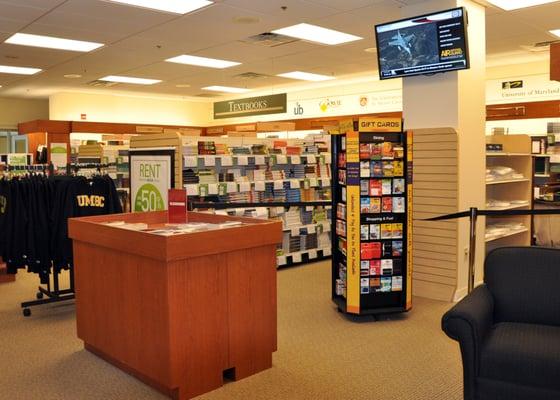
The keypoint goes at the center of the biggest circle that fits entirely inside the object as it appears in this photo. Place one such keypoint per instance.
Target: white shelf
(511, 233)
(325, 226)
(542, 175)
(542, 155)
(312, 254)
(510, 207)
(497, 182)
(502, 154)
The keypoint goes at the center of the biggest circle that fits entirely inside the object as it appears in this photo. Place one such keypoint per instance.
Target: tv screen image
(422, 45)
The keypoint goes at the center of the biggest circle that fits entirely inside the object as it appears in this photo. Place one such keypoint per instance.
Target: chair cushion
(524, 354)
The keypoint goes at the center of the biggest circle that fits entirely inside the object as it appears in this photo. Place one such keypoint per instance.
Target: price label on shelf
(192, 189)
(311, 159)
(313, 182)
(231, 187)
(310, 229)
(294, 184)
(309, 208)
(242, 160)
(212, 188)
(325, 182)
(259, 186)
(295, 159)
(312, 254)
(209, 161)
(280, 210)
(281, 159)
(190, 161)
(259, 160)
(306, 184)
(226, 161)
(278, 185)
(294, 231)
(281, 260)
(296, 258)
(327, 252)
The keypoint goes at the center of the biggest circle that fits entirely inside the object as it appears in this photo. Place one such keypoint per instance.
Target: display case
(372, 239)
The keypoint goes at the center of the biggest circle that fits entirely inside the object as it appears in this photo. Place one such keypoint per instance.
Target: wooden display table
(4, 276)
(178, 312)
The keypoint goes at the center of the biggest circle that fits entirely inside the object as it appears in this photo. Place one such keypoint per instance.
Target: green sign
(274, 104)
(148, 198)
(150, 180)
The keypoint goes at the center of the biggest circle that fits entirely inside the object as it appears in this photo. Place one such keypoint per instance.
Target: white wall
(13, 111)
(128, 109)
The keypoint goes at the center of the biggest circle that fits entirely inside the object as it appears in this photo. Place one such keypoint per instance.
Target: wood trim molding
(535, 109)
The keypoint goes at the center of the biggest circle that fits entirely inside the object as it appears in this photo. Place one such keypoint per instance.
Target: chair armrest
(472, 316)
(468, 322)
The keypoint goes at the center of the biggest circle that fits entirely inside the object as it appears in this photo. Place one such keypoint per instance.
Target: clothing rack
(54, 293)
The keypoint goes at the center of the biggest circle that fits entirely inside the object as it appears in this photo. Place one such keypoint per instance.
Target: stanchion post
(472, 246)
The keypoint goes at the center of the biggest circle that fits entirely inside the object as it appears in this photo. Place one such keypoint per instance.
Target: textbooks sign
(262, 105)
(150, 180)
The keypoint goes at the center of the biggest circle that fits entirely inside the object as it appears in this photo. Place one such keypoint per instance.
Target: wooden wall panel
(163, 140)
(555, 62)
(435, 192)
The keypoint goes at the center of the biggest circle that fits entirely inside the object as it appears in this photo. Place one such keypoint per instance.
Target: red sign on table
(177, 206)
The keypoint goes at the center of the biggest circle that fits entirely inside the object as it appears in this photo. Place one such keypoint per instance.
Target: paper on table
(190, 161)
(226, 161)
(209, 161)
(278, 185)
(242, 160)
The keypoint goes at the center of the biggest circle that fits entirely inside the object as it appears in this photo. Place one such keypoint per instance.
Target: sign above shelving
(262, 105)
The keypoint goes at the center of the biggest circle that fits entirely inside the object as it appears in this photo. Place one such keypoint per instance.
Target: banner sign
(262, 105)
(177, 206)
(368, 124)
(353, 222)
(150, 180)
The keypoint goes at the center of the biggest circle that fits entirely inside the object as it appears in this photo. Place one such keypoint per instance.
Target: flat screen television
(426, 44)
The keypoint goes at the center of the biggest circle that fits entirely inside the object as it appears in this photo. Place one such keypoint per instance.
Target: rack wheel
(39, 295)
(26, 312)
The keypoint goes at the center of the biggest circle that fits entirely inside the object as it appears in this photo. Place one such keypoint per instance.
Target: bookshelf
(248, 170)
(509, 175)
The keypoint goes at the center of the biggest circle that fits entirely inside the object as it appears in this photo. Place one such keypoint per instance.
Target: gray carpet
(321, 353)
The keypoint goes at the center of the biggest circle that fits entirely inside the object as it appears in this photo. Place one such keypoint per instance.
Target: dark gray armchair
(509, 327)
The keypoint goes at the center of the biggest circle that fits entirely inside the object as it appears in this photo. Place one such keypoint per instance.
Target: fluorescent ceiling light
(509, 5)
(172, 6)
(555, 32)
(226, 89)
(202, 61)
(50, 42)
(6, 69)
(306, 76)
(129, 79)
(317, 34)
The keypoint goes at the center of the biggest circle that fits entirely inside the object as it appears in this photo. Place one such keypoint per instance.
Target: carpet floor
(322, 354)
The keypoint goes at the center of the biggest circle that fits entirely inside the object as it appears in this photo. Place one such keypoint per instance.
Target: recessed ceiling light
(50, 42)
(183, 85)
(516, 4)
(317, 34)
(555, 32)
(305, 76)
(202, 61)
(129, 79)
(6, 69)
(72, 76)
(226, 89)
(172, 6)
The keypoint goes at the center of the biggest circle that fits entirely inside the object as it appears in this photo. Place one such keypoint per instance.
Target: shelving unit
(372, 228)
(515, 155)
(261, 170)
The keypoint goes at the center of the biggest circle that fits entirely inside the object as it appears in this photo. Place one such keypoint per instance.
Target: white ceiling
(138, 40)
